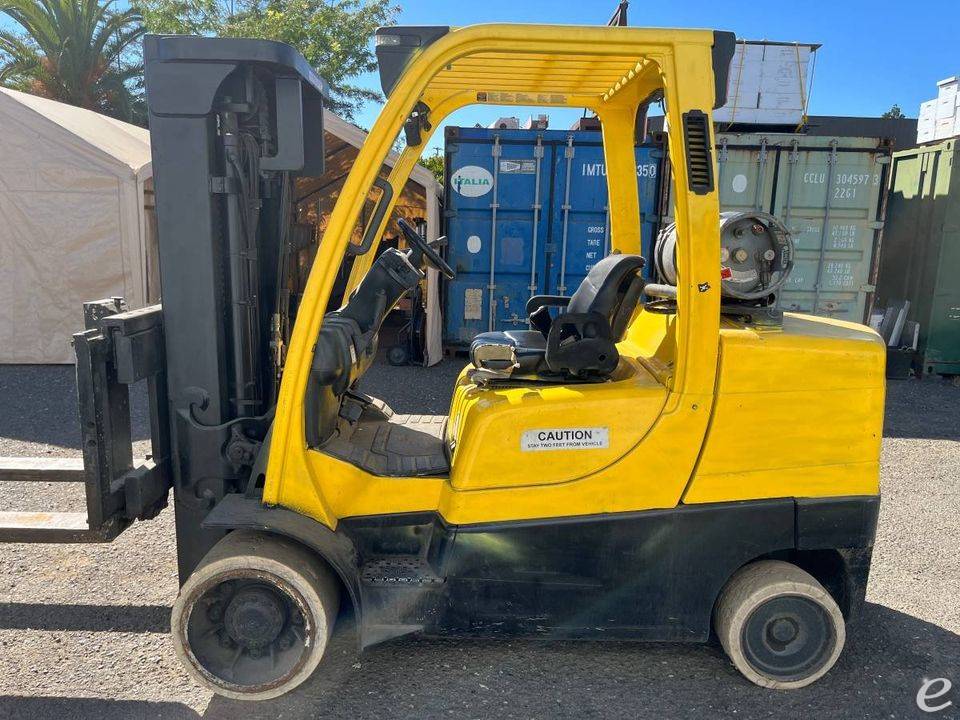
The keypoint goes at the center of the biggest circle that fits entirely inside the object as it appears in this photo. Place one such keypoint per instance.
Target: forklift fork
(118, 348)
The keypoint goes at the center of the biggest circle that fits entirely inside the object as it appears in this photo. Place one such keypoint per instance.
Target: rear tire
(778, 625)
(253, 620)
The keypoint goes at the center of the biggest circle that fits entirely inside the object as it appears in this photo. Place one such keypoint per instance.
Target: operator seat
(579, 344)
(347, 343)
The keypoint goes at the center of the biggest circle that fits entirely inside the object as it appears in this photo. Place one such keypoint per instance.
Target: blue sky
(874, 54)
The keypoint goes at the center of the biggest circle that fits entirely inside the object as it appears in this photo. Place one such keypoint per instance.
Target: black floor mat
(403, 446)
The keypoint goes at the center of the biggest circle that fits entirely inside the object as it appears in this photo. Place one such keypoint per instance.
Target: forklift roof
(547, 59)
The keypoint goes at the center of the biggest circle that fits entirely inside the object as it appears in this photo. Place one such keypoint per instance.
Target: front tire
(778, 625)
(253, 620)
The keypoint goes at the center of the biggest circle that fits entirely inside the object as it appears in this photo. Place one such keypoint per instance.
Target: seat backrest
(612, 288)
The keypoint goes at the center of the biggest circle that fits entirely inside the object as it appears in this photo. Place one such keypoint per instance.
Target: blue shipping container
(538, 200)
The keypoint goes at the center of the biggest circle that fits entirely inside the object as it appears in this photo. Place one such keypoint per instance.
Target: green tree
(333, 35)
(895, 112)
(434, 164)
(81, 52)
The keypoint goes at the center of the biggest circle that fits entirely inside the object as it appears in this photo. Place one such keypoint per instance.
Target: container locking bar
(118, 348)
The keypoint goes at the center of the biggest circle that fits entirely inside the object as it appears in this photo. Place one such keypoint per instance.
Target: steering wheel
(424, 249)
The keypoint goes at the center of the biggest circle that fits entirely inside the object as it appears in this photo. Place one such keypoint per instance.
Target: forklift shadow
(85, 618)
(926, 409)
(888, 654)
(70, 708)
(40, 406)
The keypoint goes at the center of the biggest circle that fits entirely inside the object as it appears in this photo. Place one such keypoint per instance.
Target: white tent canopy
(72, 221)
(76, 222)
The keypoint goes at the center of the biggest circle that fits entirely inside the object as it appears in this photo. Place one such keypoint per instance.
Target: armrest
(539, 301)
(580, 345)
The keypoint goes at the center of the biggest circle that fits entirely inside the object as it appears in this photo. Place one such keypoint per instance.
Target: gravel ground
(83, 628)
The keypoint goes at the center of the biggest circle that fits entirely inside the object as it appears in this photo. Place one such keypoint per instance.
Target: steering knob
(425, 250)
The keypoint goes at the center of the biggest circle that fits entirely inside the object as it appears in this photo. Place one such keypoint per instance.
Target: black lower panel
(649, 575)
(652, 575)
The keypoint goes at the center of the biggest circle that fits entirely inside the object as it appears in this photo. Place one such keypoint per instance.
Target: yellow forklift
(670, 462)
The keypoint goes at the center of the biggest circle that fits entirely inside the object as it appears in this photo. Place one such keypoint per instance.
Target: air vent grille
(696, 135)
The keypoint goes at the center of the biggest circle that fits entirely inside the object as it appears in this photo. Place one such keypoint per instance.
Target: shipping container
(829, 192)
(921, 250)
(526, 214)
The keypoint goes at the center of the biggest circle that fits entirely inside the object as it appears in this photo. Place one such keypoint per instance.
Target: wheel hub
(248, 633)
(255, 617)
(782, 631)
(788, 637)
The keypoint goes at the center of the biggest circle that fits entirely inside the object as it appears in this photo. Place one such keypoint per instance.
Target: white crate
(780, 101)
(947, 105)
(766, 84)
(926, 130)
(944, 128)
(750, 54)
(757, 116)
(928, 110)
(783, 76)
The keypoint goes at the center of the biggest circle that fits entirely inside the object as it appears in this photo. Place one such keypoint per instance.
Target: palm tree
(75, 51)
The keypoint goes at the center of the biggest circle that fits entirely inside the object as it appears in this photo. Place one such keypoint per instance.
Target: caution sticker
(590, 438)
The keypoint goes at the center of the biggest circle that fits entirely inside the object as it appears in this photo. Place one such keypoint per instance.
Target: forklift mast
(231, 122)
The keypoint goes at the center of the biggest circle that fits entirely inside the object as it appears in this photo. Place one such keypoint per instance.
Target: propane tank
(756, 255)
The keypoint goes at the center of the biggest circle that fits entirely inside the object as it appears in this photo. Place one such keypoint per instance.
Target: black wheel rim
(789, 638)
(248, 634)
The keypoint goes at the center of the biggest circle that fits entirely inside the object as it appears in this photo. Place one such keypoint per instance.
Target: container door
(920, 260)
(580, 236)
(828, 198)
(937, 247)
(579, 229)
(942, 340)
(496, 225)
(745, 174)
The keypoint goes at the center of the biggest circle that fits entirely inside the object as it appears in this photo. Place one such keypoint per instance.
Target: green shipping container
(829, 191)
(921, 250)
